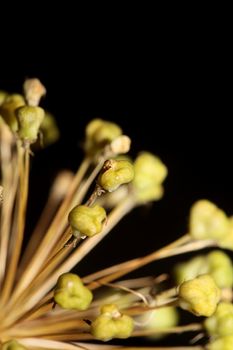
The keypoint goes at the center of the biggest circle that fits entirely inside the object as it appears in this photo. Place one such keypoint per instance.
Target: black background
(171, 95)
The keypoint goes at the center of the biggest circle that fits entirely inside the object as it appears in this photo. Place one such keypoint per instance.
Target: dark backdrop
(174, 103)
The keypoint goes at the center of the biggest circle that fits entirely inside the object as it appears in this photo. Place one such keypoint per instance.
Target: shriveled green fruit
(200, 295)
(115, 173)
(111, 324)
(87, 221)
(70, 293)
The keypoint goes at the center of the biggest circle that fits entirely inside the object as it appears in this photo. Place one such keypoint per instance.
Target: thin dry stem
(131, 265)
(125, 265)
(56, 195)
(23, 154)
(9, 180)
(51, 236)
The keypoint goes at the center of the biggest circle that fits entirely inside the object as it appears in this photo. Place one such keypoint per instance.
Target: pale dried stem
(194, 327)
(44, 328)
(8, 163)
(137, 282)
(51, 236)
(38, 343)
(137, 333)
(128, 290)
(19, 222)
(131, 265)
(112, 269)
(57, 193)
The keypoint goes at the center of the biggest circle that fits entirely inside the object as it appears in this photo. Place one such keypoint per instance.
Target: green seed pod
(224, 343)
(189, 270)
(8, 108)
(99, 133)
(150, 172)
(12, 345)
(115, 173)
(207, 221)
(112, 324)
(227, 241)
(88, 221)
(70, 293)
(3, 96)
(29, 120)
(200, 295)
(217, 264)
(159, 319)
(49, 129)
(220, 268)
(220, 324)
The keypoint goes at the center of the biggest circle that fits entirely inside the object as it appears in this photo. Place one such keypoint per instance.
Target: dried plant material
(45, 306)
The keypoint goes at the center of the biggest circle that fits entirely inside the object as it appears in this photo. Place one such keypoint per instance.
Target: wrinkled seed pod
(150, 172)
(207, 221)
(115, 173)
(224, 343)
(111, 324)
(99, 133)
(200, 295)
(29, 121)
(8, 109)
(70, 293)
(220, 324)
(88, 221)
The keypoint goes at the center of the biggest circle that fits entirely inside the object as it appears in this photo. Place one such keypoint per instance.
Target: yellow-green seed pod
(8, 108)
(115, 173)
(29, 121)
(158, 320)
(49, 129)
(112, 324)
(12, 345)
(150, 173)
(224, 343)
(220, 324)
(217, 264)
(207, 221)
(227, 241)
(99, 133)
(70, 293)
(220, 268)
(88, 221)
(188, 270)
(200, 295)
(3, 96)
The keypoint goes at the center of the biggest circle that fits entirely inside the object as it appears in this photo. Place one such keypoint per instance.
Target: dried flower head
(43, 305)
